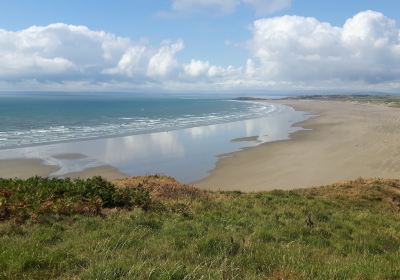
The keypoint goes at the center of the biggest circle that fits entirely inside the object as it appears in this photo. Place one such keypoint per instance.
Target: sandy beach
(345, 141)
(184, 153)
(25, 168)
(106, 171)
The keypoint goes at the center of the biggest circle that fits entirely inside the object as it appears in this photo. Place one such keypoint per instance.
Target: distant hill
(390, 100)
(249, 98)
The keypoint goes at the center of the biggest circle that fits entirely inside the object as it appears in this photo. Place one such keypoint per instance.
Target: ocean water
(177, 136)
(30, 119)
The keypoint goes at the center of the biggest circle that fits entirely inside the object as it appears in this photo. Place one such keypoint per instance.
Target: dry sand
(346, 141)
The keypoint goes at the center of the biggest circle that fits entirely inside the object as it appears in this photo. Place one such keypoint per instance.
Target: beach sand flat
(246, 139)
(106, 171)
(345, 141)
(24, 168)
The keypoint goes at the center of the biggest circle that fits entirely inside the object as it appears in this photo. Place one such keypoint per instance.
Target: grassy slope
(345, 231)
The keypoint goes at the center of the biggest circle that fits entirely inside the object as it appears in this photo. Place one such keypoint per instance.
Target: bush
(21, 199)
(132, 197)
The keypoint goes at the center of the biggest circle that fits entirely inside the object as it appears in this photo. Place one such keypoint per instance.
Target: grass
(349, 230)
(385, 99)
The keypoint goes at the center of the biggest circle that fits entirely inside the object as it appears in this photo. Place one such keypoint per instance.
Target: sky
(199, 45)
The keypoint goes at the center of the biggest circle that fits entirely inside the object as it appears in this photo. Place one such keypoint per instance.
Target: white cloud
(61, 56)
(132, 63)
(198, 71)
(197, 68)
(60, 52)
(288, 52)
(299, 49)
(262, 7)
(57, 50)
(164, 62)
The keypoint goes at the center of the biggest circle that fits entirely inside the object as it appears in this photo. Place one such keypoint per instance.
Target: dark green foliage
(128, 197)
(35, 197)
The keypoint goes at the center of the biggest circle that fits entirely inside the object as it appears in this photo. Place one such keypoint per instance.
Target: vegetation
(388, 100)
(155, 228)
(36, 197)
(373, 98)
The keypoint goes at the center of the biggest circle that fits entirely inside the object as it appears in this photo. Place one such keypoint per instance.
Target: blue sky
(205, 35)
(217, 34)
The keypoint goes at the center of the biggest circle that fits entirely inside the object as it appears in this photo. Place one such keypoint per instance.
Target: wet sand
(107, 172)
(69, 156)
(345, 141)
(186, 154)
(246, 139)
(25, 168)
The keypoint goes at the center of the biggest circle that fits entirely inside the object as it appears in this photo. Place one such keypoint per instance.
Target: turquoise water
(43, 118)
(177, 136)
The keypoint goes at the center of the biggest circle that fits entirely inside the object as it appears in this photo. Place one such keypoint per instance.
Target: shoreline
(343, 142)
(24, 168)
(338, 141)
(186, 154)
(128, 134)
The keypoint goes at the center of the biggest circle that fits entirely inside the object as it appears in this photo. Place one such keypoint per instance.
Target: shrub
(21, 199)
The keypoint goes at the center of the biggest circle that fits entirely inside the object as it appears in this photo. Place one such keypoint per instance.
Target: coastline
(187, 154)
(106, 171)
(343, 142)
(24, 168)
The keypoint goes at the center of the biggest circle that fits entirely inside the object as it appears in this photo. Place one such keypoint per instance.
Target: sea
(178, 135)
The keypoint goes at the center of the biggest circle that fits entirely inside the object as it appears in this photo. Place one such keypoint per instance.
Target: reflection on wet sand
(187, 154)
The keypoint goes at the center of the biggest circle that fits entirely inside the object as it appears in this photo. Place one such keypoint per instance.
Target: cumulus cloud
(299, 49)
(78, 56)
(164, 62)
(141, 62)
(197, 68)
(262, 7)
(66, 52)
(57, 50)
(287, 52)
(198, 71)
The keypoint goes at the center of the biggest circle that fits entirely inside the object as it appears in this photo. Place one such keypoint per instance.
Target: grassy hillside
(155, 228)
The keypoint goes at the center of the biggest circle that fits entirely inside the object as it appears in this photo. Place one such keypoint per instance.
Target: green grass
(385, 99)
(344, 231)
